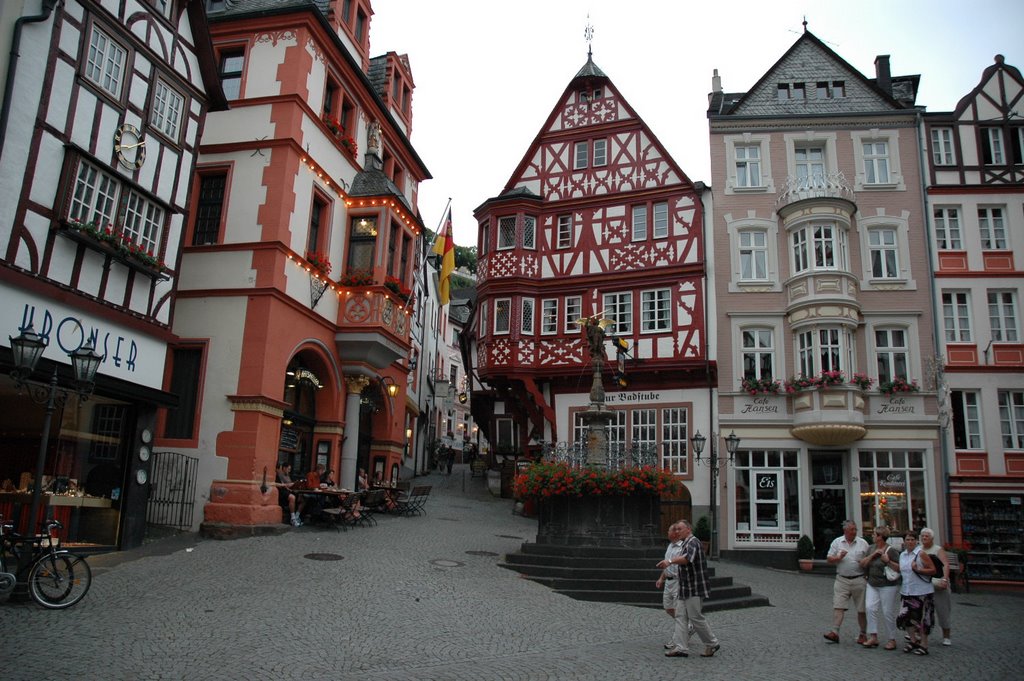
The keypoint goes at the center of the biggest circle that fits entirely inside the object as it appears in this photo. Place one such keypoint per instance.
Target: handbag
(891, 575)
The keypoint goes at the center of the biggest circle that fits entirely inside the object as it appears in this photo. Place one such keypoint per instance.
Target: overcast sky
(488, 73)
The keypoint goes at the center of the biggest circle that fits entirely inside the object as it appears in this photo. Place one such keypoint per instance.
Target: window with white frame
(891, 354)
(618, 307)
(758, 353)
(485, 237)
(956, 316)
(942, 147)
(660, 225)
(579, 160)
(876, 162)
(1011, 418)
(506, 435)
(232, 64)
(600, 152)
(823, 349)
(947, 229)
(502, 315)
(748, 165)
(767, 495)
(992, 150)
(644, 427)
(655, 310)
(639, 222)
(484, 328)
(809, 163)
(573, 313)
(105, 64)
(143, 222)
(103, 200)
(892, 488)
(506, 233)
(819, 247)
(966, 408)
(753, 254)
(675, 440)
(167, 109)
(884, 250)
(1002, 316)
(564, 238)
(549, 316)
(529, 231)
(526, 325)
(992, 228)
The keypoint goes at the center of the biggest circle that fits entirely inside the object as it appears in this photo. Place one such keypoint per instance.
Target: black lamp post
(27, 348)
(713, 461)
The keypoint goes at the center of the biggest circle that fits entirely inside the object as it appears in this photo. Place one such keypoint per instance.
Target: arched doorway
(299, 418)
(676, 506)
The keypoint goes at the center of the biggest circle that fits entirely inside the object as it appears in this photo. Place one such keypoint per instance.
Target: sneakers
(296, 521)
(946, 642)
(675, 652)
(670, 645)
(710, 651)
(832, 637)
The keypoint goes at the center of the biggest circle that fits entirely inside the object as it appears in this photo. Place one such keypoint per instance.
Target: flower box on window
(319, 262)
(862, 381)
(898, 385)
(110, 240)
(346, 141)
(356, 278)
(825, 379)
(761, 386)
(396, 287)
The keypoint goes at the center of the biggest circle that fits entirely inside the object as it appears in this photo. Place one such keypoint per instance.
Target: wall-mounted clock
(129, 146)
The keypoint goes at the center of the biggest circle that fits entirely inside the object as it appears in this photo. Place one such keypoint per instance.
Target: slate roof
(234, 8)
(377, 74)
(371, 181)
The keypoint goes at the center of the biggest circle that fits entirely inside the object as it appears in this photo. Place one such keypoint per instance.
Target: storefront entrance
(828, 499)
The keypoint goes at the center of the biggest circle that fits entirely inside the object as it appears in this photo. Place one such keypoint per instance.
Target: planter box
(631, 521)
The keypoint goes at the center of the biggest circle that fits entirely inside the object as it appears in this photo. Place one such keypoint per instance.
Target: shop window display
(892, 490)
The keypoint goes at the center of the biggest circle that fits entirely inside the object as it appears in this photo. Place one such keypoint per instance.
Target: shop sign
(766, 480)
(633, 397)
(127, 354)
(760, 405)
(897, 405)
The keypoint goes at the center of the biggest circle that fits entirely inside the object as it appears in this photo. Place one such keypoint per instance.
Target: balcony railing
(827, 186)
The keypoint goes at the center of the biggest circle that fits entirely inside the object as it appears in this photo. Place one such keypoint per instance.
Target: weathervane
(588, 33)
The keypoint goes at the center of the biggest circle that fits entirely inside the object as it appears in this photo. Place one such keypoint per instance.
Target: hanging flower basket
(898, 385)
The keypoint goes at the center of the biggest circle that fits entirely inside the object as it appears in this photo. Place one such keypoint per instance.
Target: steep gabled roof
(1013, 99)
(810, 60)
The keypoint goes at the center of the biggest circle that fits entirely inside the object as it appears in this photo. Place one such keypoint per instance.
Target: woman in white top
(940, 582)
(917, 610)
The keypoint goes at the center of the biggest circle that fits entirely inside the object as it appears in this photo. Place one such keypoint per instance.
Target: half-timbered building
(597, 219)
(102, 112)
(825, 328)
(976, 208)
(295, 305)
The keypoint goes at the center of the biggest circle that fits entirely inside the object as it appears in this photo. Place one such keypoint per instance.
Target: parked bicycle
(56, 578)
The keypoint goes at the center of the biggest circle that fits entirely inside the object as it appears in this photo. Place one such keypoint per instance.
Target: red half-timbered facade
(103, 109)
(975, 194)
(597, 219)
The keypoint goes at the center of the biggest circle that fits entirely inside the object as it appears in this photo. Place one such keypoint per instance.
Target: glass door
(828, 499)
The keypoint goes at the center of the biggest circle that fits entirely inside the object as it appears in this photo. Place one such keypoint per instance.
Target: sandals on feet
(910, 647)
(918, 650)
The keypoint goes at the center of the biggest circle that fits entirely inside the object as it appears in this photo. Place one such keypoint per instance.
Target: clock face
(129, 146)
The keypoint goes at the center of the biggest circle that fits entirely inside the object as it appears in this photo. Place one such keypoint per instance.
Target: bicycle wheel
(59, 581)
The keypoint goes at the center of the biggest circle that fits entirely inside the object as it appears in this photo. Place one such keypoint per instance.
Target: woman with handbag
(917, 607)
(881, 567)
(943, 602)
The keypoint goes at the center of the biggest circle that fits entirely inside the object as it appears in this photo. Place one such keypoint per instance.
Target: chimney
(882, 75)
(716, 86)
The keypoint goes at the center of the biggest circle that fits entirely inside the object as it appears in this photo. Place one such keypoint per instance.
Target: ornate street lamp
(732, 444)
(27, 348)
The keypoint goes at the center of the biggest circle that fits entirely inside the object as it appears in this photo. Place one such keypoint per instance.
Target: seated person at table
(362, 482)
(313, 478)
(285, 497)
(328, 478)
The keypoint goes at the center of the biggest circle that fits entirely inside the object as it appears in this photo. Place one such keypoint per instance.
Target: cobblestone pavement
(423, 598)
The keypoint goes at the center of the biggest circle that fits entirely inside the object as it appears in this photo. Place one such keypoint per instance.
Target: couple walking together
(684, 584)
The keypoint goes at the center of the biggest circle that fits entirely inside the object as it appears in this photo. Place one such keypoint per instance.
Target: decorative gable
(811, 80)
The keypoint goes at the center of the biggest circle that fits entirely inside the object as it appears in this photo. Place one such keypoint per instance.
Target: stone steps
(615, 575)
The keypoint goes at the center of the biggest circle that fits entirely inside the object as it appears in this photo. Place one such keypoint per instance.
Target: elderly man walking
(692, 567)
(846, 553)
(668, 582)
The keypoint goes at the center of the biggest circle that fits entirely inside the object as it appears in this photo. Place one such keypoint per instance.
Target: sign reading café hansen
(127, 354)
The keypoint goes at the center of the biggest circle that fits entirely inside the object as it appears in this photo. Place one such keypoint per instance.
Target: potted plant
(805, 553)
(702, 530)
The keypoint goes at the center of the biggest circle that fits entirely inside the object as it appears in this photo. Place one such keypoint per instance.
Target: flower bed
(544, 480)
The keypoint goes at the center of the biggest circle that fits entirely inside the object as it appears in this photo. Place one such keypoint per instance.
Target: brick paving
(414, 599)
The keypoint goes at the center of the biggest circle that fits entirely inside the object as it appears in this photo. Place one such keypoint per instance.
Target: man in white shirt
(668, 582)
(845, 553)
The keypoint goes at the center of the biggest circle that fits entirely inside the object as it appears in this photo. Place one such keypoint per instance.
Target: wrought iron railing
(620, 455)
(816, 186)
